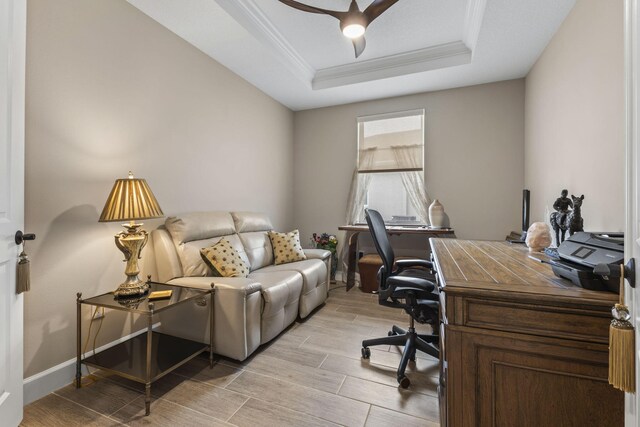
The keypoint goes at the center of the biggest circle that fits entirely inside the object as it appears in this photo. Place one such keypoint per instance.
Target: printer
(579, 254)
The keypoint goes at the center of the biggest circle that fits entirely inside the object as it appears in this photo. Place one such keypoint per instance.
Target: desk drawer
(542, 320)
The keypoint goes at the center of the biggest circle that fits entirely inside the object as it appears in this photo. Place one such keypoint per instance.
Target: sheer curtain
(409, 158)
(357, 199)
(387, 143)
(359, 187)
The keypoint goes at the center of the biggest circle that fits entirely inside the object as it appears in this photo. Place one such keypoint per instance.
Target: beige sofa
(248, 311)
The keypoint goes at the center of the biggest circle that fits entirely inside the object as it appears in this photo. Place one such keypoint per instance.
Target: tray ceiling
(304, 61)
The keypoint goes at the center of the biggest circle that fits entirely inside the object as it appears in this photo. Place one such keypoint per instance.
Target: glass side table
(151, 355)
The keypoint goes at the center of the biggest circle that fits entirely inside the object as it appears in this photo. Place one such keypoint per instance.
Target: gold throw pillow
(286, 247)
(224, 260)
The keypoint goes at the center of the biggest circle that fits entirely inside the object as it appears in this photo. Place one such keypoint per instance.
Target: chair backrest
(381, 240)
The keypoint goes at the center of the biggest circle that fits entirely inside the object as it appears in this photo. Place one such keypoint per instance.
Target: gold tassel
(622, 368)
(23, 281)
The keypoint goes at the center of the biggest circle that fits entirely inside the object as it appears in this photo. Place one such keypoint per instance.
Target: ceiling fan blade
(359, 44)
(377, 8)
(353, 7)
(312, 9)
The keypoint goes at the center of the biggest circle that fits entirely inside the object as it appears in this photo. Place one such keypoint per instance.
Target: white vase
(436, 214)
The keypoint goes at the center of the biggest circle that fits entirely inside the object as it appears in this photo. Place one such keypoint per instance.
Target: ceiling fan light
(353, 31)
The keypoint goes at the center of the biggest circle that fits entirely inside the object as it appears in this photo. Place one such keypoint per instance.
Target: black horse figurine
(576, 223)
(569, 220)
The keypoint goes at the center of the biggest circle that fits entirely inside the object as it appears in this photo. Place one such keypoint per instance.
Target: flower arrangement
(324, 241)
(328, 242)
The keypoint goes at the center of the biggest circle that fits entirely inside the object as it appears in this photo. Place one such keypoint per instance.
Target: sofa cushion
(191, 260)
(257, 246)
(313, 271)
(315, 283)
(280, 299)
(199, 226)
(246, 222)
(224, 260)
(286, 247)
(279, 288)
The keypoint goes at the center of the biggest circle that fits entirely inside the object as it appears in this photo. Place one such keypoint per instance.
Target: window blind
(382, 138)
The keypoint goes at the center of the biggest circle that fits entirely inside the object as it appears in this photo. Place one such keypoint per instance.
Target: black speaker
(526, 208)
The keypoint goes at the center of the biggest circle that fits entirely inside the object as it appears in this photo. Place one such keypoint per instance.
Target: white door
(632, 236)
(12, 75)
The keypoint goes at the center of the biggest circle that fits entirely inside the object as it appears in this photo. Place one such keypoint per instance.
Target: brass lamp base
(131, 243)
(131, 289)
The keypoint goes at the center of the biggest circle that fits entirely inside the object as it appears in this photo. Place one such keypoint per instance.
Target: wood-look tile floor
(311, 375)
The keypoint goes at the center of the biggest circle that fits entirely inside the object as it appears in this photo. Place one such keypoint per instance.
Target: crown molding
(417, 61)
(473, 22)
(250, 16)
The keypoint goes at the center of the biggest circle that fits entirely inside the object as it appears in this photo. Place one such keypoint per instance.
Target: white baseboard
(41, 384)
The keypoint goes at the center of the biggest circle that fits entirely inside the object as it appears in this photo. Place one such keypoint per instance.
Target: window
(387, 195)
(390, 166)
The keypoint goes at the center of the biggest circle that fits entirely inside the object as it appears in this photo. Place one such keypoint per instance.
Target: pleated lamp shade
(130, 199)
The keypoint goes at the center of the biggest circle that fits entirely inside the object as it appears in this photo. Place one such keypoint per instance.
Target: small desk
(147, 357)
(518, 345)
(355, 230)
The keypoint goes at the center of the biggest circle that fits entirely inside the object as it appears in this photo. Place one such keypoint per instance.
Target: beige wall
(110, 90)
(474, 161)
(574, 114)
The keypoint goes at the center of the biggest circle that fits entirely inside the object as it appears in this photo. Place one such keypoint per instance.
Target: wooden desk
(355, 230)
(520, 346)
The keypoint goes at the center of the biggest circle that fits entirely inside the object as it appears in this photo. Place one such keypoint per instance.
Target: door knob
(613, 271)
(21, 237)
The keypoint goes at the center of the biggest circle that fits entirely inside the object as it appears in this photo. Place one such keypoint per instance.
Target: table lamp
(131, 199)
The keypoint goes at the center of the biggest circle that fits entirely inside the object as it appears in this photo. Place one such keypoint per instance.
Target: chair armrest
(316, 254)
(409, 263)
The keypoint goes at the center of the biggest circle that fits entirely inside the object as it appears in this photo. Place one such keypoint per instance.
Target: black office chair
(404, 284)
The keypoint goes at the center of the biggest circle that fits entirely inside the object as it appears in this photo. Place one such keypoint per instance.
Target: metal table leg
(211, 319)
(78, 340)
(147, 387)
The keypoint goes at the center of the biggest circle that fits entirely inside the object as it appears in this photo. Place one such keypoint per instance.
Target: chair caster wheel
(366, 353)
(404, 382)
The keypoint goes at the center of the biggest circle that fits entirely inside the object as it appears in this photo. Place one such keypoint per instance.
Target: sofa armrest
(240, 285)
(325, 256)
(237, 309)
(317, 253)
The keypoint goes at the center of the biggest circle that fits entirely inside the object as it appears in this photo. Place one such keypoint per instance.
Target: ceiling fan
(353, 22)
